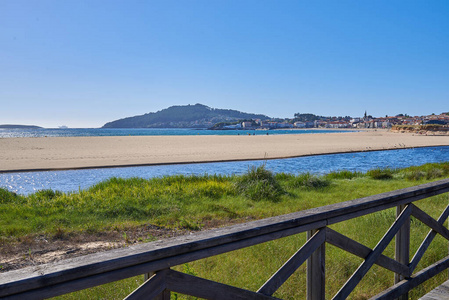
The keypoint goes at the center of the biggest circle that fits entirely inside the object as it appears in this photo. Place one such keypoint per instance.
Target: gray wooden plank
(406, 285)
(431, 222)
(151, 288)
(439, 293)
(294, 262)
(206, 289)
(349, 286)
(402, 245)
(426, 242)
(165, 294)
(316, 271)
(343, 242)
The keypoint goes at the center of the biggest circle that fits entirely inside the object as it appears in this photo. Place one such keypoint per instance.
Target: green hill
(187, 116)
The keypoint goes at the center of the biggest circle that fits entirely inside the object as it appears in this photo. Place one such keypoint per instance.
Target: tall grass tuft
(427, 171)
(47, 194)
(381, 174)
(309, 181)
(8, 197)
(343, 174)
(259, 184)
(415, 175)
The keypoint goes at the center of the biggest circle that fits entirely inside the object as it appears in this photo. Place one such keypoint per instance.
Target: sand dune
(51, 153)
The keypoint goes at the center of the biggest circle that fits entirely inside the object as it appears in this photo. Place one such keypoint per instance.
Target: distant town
(313, 121)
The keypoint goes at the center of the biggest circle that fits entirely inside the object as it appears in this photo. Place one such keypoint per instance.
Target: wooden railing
(157, 258)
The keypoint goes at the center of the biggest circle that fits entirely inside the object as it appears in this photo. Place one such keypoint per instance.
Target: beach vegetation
(191, 203)
(9, 197)
(381, 173)
(259, 183)
(415, 175)
(426, 171)
(309, 181)
(343, 174)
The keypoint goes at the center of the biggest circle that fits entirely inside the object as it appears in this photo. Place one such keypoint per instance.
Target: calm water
(66, 181)
(48, 132)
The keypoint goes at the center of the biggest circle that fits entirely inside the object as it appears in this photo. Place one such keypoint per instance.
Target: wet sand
(57, 153)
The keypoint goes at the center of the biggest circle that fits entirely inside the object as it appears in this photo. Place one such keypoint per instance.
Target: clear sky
(82, 63)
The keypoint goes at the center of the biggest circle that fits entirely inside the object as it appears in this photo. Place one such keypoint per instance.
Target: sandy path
(50, 153)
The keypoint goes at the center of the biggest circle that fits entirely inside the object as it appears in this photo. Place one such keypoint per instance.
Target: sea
(75, 180)
(58, 132)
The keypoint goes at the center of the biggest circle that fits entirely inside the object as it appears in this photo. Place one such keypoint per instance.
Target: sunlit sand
(52, 153)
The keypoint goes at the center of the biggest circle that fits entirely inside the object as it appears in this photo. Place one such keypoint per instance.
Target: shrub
(415, 175)
(343, 174)
(259, 184)
(308, 180)
(434, 173)
(283, 176)
(7, 196)
(47, 194)
(380, 174)
(445, 168)
(427, 171)
(316, 182)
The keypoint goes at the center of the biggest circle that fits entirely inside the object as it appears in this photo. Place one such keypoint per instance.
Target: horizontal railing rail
(158, 257)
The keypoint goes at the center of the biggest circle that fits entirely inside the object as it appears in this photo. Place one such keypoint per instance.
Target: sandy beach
(55, 153)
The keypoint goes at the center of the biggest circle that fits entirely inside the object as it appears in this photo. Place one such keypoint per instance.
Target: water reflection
(73, 180)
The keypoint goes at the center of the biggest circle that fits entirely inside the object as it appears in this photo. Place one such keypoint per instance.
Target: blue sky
(83, 63)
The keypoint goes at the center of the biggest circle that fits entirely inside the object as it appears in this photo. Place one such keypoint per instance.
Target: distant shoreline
(63, 153)
(11, 126)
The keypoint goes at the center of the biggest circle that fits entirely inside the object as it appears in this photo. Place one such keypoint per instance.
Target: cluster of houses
(388, 122)
(347, 122)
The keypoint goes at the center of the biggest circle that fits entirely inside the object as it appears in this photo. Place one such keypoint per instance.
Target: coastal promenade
(57, 153)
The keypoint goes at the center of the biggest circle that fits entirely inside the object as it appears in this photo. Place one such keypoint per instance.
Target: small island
(13, 126)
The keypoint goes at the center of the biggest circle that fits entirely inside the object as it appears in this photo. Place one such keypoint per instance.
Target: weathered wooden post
(316, 276)
(402, 251)
(165, 295)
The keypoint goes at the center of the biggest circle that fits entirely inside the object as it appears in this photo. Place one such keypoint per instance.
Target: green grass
(381, 174)
(193, 202)
(259, 184)
(343, 174)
